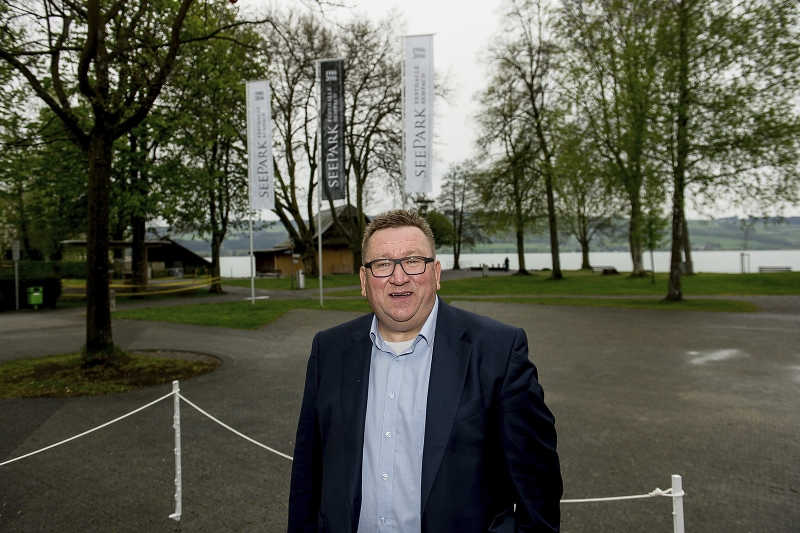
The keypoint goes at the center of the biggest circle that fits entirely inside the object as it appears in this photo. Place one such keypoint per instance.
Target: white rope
(658, 492)
(236, 432)
(90, 431)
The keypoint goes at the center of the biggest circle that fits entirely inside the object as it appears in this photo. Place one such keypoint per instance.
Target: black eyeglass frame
(396, 262)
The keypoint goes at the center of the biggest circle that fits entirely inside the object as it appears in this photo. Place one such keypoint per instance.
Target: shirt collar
(427, 332)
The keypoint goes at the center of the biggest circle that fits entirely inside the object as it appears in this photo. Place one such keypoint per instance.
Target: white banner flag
(259, 146)
(419, 113)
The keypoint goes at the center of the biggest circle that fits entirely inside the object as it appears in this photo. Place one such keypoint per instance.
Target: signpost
(261, 176)
(330, 76)
(15, 258)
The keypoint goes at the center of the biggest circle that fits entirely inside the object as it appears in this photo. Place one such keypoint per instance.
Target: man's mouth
(404, 294)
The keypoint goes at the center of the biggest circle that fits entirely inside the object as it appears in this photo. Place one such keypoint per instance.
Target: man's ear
(362, 273)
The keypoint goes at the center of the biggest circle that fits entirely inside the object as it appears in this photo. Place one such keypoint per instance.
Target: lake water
(718, 261)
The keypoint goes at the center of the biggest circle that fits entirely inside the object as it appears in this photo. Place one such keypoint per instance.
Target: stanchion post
(176, 424)
(677, 504)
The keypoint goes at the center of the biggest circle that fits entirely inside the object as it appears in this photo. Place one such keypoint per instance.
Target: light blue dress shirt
(394, 432)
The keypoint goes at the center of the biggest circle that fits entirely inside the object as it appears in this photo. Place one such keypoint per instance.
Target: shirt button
(391, 395)
(397, 359)
(383, 520)
(388, 433)
(385, 477)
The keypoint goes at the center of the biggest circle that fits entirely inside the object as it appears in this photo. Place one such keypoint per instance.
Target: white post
(252, 265)
(176, 423)
(677, 504)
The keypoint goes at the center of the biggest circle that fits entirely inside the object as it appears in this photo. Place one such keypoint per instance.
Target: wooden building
(336, 255)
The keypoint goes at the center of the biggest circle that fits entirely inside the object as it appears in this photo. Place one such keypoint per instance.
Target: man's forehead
(406, 239)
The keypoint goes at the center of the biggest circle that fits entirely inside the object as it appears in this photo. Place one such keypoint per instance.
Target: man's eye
(413, 261)
(382, 264)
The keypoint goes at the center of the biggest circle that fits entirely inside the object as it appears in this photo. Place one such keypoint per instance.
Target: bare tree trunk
(687, 246)
(585, 254)
(552, 223)
(216, 244)
(635, 237)
(675, 292)
(99, 343)
(521, 252)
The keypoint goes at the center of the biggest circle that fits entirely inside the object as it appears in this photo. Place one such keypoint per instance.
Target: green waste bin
(35, 296)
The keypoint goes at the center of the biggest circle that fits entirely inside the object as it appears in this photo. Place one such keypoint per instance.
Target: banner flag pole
(417, 114)
(260, 170)
(330, 131)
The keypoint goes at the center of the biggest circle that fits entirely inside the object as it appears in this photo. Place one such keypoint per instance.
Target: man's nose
(399, 276)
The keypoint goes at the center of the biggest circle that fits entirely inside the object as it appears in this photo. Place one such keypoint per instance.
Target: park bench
(269, 274)
(605, 270)
(774, 269)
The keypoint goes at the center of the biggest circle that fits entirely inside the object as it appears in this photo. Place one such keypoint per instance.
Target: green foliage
(442, 227)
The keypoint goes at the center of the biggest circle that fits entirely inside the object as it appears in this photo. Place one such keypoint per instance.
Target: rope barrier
(676, 492)
(90, 431)
(657, 492)
(236, 432)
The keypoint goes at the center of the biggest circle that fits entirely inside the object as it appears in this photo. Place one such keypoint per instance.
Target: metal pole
(319, 242)
(252, 265)
(677, 504)
(176, 424)
(403, 123)
(319, 191)
(16, 282)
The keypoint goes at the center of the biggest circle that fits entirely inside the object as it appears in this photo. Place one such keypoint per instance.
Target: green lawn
(580, 283)
(717, 306)
(285, 283)
(237, 315)
(577, 283)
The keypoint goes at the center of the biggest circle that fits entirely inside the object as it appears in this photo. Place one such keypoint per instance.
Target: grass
(237, 315)
(59, 376)
(716, 306)
(578, 283)
(285, 283)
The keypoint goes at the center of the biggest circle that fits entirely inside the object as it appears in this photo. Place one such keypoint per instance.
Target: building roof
(330, 235)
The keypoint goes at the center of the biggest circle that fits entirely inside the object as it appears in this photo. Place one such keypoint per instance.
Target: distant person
(421, 417)
(506, 264)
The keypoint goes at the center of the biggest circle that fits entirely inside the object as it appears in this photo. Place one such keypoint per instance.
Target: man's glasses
(413, 266)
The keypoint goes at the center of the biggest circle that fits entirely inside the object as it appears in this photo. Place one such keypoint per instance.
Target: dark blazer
(490, 441)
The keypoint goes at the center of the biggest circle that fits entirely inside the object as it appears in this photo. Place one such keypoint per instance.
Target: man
(421, 417)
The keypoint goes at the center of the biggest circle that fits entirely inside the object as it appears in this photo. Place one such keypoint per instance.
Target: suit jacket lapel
(448, 372)
(354, 387)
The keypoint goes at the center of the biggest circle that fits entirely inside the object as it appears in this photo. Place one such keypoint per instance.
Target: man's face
(401, 302)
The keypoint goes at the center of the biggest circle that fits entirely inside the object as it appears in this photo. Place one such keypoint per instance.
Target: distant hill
(719, 234)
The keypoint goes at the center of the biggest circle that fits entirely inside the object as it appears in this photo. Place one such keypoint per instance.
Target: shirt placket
(388, 439)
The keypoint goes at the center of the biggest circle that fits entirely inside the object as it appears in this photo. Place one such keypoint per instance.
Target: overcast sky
(463, 30)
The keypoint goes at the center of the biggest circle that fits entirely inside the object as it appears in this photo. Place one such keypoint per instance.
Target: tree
(613, 66)
(208, 188)
(373, 126)
(301, 39)
(729, 106)
(115, 58)
(459, 200)
(529, 53)
(510, 188)
(587, 206)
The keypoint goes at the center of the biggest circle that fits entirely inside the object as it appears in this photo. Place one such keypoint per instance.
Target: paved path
(638, 395)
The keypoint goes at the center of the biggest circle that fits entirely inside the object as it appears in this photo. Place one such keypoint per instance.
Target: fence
(676, 492)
